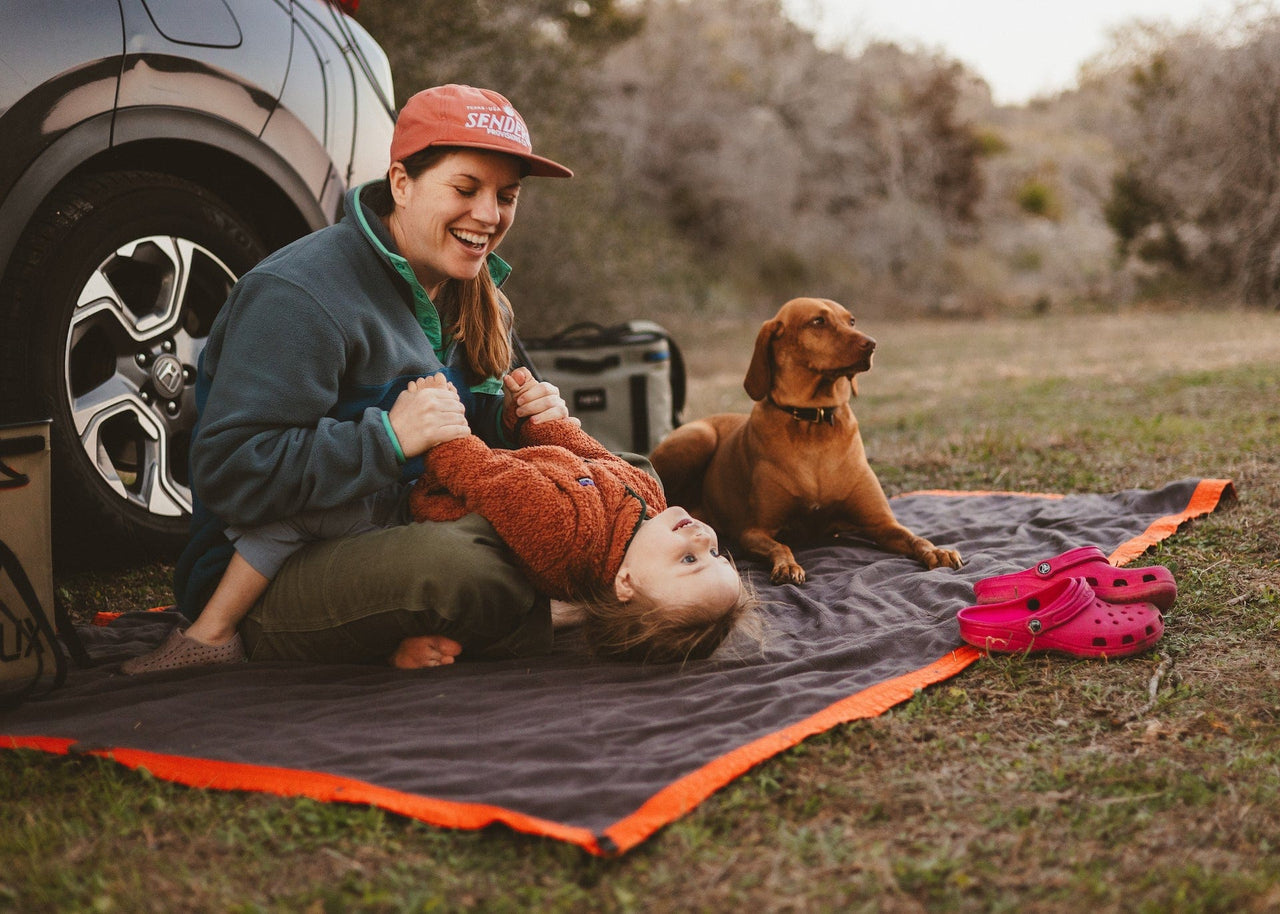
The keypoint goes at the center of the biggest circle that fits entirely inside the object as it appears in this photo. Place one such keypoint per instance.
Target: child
(592, 530)
(588, 528)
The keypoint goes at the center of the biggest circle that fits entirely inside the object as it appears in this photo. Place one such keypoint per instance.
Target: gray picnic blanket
(598, 753)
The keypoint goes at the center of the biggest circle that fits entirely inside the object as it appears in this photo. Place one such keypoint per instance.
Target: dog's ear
(760, 372)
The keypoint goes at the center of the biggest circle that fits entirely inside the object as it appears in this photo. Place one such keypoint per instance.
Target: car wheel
(116, 284)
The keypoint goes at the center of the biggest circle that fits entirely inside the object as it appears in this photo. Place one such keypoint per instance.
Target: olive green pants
(352, 600)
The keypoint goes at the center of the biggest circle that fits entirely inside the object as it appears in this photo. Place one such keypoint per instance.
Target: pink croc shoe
(1151, 584)
(1065, 616)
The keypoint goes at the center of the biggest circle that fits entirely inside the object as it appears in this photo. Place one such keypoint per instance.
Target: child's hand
(529, 398)
(428, 413)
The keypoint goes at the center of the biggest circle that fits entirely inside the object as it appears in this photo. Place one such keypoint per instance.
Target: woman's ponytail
(483, 326)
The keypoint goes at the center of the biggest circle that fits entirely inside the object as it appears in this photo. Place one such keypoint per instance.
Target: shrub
(1037, 197)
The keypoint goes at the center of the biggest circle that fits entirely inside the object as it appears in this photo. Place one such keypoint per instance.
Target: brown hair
(480, 313)
(482, 324)
(653, 634)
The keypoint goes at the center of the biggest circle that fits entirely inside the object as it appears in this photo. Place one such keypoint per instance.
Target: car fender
(89, 144)
(287, 142)
(69, 151)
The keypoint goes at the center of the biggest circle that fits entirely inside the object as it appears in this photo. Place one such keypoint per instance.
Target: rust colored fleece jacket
(565, 505)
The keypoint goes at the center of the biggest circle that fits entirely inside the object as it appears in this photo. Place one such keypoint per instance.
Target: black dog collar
(818, 414)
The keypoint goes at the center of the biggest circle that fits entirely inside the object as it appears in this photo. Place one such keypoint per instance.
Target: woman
(304, 400)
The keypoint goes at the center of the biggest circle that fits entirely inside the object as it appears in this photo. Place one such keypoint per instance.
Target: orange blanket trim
(664, 807)
(678, 798)
(682, 796)
(327, 788)
(1208, 495)
(105, 617)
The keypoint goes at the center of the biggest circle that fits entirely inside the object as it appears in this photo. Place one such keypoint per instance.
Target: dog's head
(810, 339)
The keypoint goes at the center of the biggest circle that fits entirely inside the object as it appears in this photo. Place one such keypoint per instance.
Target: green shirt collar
(423, 308)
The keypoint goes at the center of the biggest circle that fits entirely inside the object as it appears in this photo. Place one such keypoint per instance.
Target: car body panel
(240, 82)
(234, 126)
(33, 61)
(204, 23)
(290, 84)
(340, 46)
(48, 86)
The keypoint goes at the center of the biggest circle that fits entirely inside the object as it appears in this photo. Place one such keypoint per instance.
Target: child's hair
(637, 630)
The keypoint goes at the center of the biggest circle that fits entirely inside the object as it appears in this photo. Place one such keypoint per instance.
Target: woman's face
(448, 219)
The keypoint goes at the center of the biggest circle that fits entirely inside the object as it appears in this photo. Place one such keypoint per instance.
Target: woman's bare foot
(424, 651)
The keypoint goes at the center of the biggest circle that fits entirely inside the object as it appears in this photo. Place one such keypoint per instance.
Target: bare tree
(786, 162)
(1199, 191)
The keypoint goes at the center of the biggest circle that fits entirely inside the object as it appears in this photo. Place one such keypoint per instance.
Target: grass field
(1150, 784)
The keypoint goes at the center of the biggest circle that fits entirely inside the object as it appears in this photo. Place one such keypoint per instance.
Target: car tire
(113, 290)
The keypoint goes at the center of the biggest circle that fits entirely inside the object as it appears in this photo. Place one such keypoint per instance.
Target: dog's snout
(862, 343)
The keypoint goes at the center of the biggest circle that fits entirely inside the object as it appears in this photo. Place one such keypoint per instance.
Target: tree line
(726, 161)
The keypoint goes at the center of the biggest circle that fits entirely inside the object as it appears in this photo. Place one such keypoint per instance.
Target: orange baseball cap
(456, 115)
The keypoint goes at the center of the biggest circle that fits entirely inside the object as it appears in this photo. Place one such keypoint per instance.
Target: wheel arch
(256, 181)
(124, 464)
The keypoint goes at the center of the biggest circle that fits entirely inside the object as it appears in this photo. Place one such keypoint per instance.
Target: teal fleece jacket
(313, 345)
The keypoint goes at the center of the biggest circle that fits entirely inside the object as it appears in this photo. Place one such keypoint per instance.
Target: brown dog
(796, 464)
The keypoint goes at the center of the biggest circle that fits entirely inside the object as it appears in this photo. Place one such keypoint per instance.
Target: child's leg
(260, 551)
(212, 638)
(239, 589)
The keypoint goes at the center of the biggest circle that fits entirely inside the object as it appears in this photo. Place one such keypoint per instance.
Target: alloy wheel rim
(132, 349)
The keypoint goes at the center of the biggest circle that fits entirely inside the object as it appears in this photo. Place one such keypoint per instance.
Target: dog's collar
(817, 414)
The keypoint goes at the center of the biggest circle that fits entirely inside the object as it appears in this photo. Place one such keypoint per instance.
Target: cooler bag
(31, 658)
(625, 382)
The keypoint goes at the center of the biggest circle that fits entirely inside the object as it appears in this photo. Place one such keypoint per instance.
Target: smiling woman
(313, 420)
(447, 209)
(466, 202)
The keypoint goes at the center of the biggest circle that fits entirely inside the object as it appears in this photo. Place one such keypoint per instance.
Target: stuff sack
(31, 657)
(625, 382)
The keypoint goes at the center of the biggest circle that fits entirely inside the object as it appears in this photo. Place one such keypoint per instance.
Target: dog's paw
(787, 573)
(941, 558)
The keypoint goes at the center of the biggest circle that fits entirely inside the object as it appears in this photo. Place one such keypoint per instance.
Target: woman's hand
(531, 399)
(427, 413)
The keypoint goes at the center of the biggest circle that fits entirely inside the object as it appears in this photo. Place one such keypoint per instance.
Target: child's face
(674, 562)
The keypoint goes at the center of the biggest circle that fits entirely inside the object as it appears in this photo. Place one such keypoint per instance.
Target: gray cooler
(625, 382)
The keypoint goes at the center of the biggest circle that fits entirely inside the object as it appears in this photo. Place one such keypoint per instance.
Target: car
(153, 151)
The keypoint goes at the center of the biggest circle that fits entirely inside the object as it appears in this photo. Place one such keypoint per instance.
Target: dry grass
(1023, 784)
(923, 365)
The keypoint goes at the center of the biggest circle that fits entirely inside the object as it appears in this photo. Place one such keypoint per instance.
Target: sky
(1022, 48)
